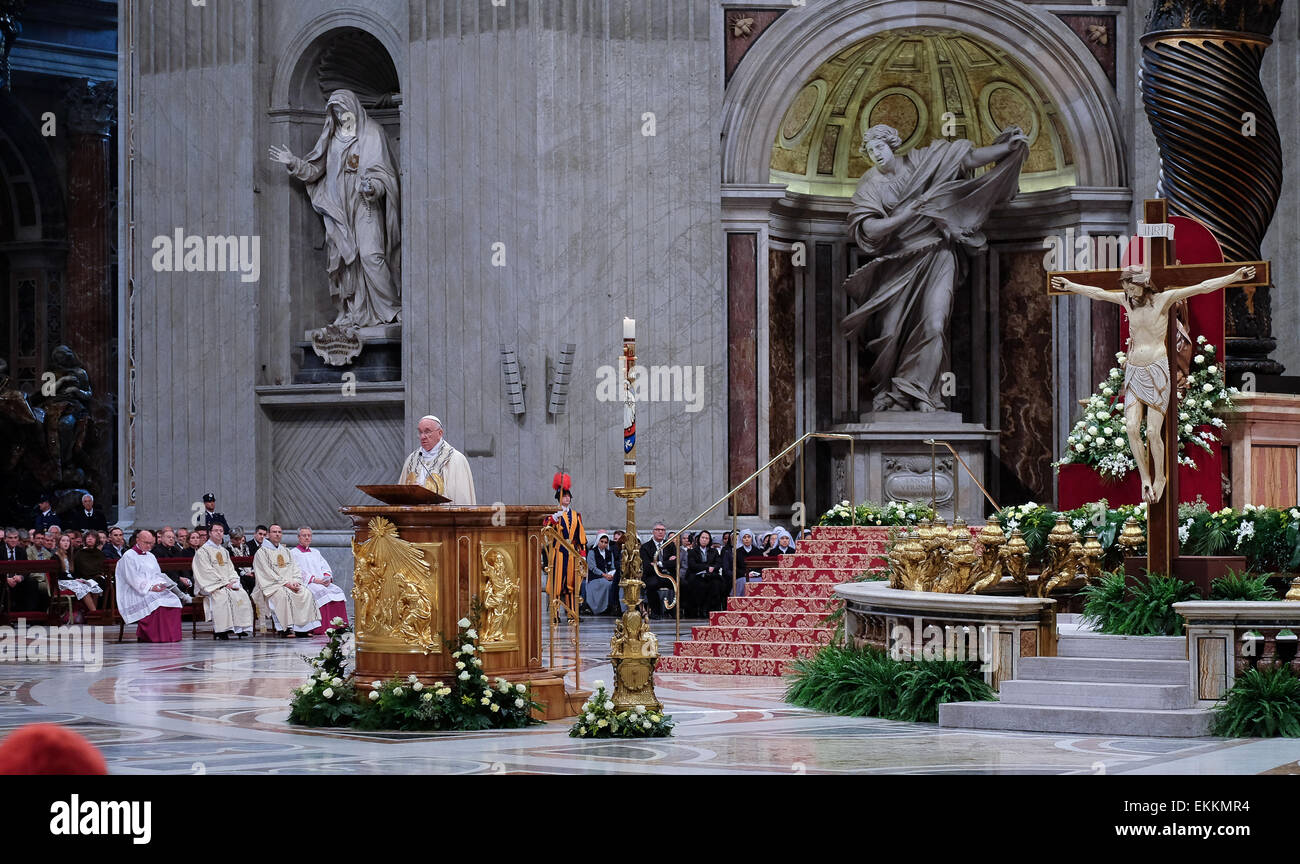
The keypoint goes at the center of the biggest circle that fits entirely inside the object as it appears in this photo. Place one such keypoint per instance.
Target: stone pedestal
(1264, 440)
(380, 358)
(892, 462)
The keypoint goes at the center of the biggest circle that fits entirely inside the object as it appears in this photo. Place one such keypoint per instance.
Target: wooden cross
(1162, 516)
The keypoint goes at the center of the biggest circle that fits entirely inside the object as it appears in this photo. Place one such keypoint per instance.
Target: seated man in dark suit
(88, 515)
(28, 592)
(115, 548)
(666, 554)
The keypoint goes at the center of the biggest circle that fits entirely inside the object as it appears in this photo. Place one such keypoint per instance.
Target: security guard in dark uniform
(210, 514)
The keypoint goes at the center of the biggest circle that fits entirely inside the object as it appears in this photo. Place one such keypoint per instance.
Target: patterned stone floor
(219, 707)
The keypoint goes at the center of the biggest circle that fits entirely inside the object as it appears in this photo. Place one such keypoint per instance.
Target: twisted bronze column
(1220, 153)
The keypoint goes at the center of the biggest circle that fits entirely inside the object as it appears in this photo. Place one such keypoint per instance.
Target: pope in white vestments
(277, 577)
(144, 594)
(437, 466)
(226, 604)
(316, 573)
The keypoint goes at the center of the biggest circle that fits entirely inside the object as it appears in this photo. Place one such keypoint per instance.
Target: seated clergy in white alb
(227, 605)
(437, 466)
(316, 573)
(293, 606)
(144, 594)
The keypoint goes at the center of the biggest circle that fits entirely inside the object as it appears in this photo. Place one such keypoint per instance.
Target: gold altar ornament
(396, 593)
(500, 596)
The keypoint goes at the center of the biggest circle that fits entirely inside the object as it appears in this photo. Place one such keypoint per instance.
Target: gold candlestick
(633, 650)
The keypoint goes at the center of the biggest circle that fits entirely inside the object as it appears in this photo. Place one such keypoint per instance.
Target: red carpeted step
(732, 618)
(835, 576)
(832, 561)
(720, 666)
(761, 650)
(779, 604)
(790, 589)
(774, 635)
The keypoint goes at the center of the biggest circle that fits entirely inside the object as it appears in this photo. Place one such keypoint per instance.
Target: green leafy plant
(600, 719)
(329, 697)
(1263, 703)
(867, 682)
(929, 684)
(1140, 608)
(1242, 586)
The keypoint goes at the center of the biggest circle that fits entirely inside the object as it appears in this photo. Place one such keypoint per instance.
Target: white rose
(376, 684)
(427, 697)
(478, 662)
(417, 686)
(374, 695)
(464, 676)
(462, 623)
(460, 665)
(495, 707)
(1207, 388)
(600, 685)
(412, 678)
(1199, 358)
(1108, 391)
(602, 723)
(468, 649)
(328, 693)
(1079, 447)
(305, 689)
(1092, 430)
(1212, 369)
(1209, 404)
(485, 701)
(519, 703)
(1119, 442)
(337, 682)
(473, 634)
(609, 705)
(326, 653)
(645, 724)
(397, 691)
(640, 709)
(519, 688)
(337, 621)
(1188, 428)
(591, 718)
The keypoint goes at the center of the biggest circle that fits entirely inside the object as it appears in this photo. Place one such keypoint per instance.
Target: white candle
(629, 329)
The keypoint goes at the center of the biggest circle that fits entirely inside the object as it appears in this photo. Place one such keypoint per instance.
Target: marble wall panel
(782, 345)
(1026, 381)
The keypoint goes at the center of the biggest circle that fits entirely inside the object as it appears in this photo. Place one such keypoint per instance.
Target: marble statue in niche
(913, 214)
(353, 185)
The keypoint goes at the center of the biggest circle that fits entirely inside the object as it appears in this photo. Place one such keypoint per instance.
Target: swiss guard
(562, 583)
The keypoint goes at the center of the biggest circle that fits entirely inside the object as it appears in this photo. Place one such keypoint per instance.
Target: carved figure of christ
(1147, 379)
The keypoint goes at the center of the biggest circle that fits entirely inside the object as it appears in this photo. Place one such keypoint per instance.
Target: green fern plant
(1151, 612)
(1263, 703)
(929, 684)
(1242, 586)
(1104, 603)
(857, 682)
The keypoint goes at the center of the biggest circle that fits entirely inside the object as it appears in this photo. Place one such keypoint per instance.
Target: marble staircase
(783, 617)
(1096, 685)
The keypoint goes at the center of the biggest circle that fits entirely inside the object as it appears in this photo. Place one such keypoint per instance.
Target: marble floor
(202, 706)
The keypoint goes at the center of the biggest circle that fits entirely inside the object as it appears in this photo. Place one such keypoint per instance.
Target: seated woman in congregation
(744, 576)
(600, 588)
(83, 589)
(702, 587)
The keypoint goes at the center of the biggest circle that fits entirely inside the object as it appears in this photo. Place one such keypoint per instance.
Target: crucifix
(1148, 296)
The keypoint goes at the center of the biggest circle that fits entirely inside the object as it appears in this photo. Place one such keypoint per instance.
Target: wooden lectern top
(400, 495)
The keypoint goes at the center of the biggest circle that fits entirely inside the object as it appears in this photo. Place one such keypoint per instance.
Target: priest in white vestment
(437, 466)
(293, 606)
(144, 594)
(316, 573)
(225, 602)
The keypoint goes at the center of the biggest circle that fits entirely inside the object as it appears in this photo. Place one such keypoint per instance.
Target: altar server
(144, 594)
(316, 573)
(293, 606)
(226, 604)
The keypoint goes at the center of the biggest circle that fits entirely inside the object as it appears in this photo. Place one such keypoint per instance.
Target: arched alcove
(344, 57)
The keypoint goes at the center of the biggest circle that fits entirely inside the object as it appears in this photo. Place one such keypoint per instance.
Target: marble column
(88, 325)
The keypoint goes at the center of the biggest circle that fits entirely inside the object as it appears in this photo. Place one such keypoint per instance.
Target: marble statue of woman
(911, 215)
(353, 185)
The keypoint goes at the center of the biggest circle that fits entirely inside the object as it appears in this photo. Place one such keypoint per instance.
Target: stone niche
(891, 462)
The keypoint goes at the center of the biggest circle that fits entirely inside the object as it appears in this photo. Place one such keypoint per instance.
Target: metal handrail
(824, 436)
(552, 536)
(933, 504)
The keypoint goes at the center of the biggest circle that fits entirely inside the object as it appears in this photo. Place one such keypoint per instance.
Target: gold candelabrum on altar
(934, 557)
(634, 649)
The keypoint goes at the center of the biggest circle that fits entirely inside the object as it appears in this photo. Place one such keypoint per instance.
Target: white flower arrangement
(1106, 448)
(601, 719)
